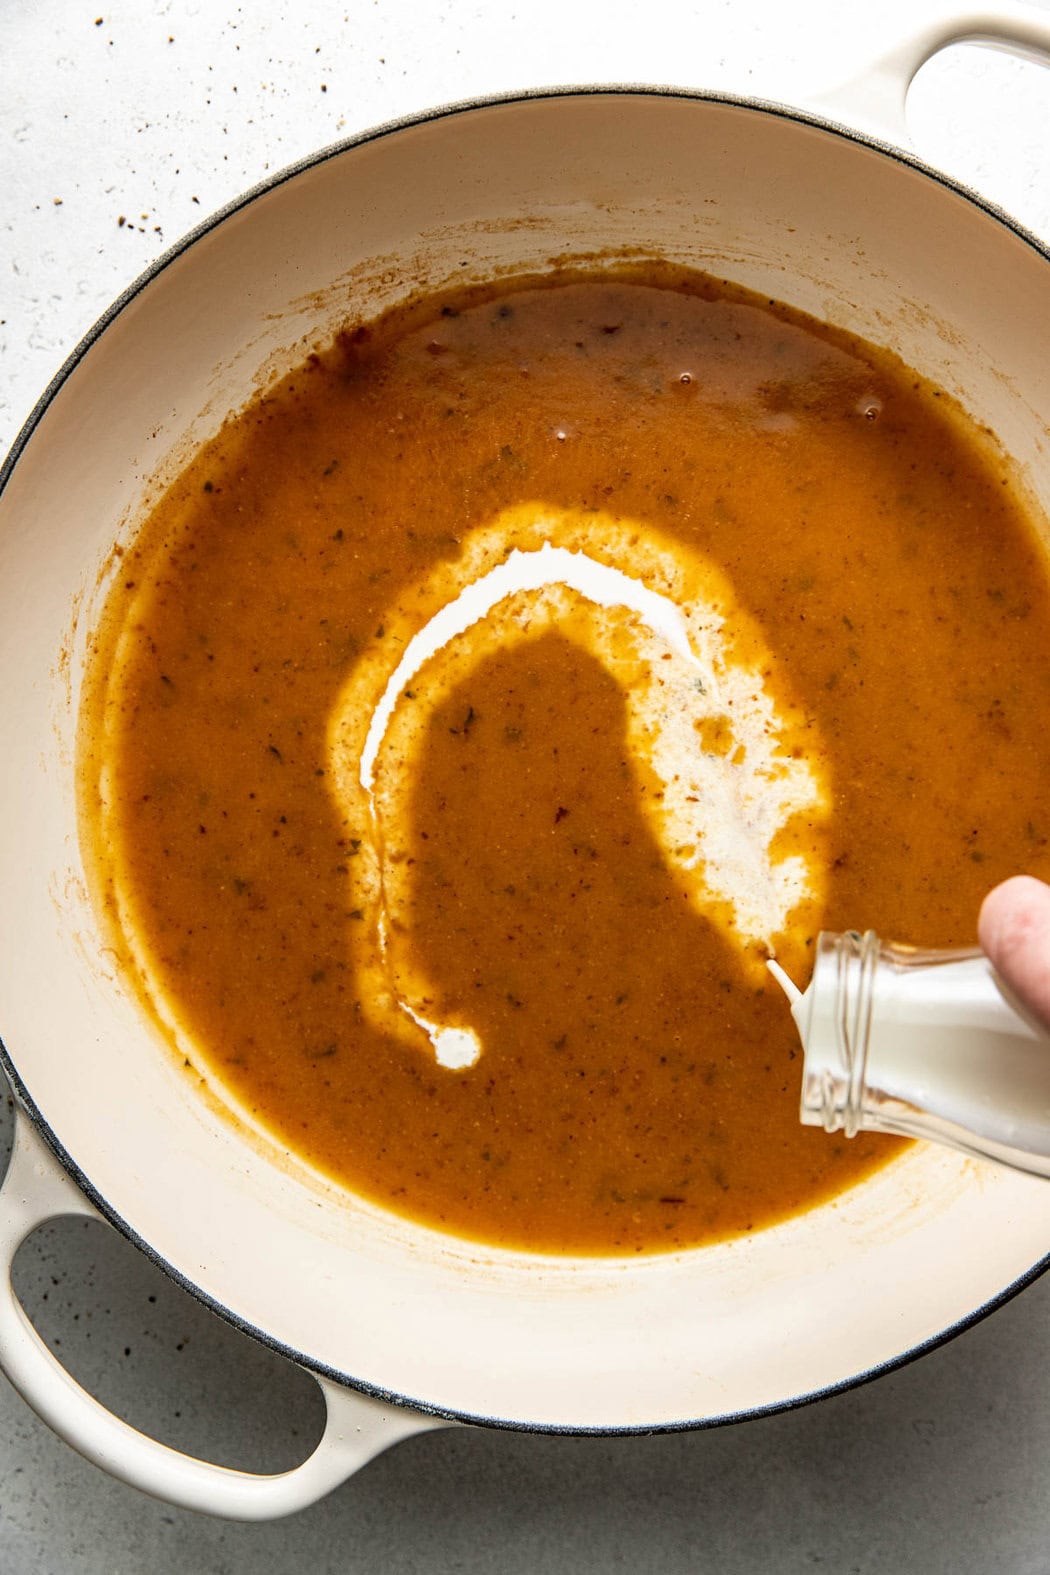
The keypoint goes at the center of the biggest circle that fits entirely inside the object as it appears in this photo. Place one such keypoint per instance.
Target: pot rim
(260, 189)
(308, 161)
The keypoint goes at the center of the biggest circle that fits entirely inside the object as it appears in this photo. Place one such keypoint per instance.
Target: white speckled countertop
(121, 126)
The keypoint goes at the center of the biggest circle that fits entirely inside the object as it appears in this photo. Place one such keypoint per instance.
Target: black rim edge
(33, 420)
(464, 106)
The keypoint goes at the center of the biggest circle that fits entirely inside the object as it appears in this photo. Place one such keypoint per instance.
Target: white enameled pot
(405, 1328)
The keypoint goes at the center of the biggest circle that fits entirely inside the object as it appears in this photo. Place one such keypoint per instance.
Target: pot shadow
(154, 1355)
(877, 1479)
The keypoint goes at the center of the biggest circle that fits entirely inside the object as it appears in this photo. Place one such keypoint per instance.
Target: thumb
(1014, 931)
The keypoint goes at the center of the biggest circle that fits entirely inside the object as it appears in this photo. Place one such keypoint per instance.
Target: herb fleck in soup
(507, 976)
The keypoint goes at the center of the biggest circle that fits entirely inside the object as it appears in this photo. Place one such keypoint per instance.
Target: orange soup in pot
(478, 711)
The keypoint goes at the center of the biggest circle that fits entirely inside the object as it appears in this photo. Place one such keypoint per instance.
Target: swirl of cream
(740, 769)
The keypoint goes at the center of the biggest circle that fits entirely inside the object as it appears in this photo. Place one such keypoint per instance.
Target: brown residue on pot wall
(638, 1089)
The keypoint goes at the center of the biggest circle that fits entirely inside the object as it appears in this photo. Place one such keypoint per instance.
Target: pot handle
(37, 1189)
(874, 99)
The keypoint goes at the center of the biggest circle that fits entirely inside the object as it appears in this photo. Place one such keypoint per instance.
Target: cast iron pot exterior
(802, 211)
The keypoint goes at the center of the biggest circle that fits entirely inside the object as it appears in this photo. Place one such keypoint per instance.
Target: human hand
(1014, 931)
